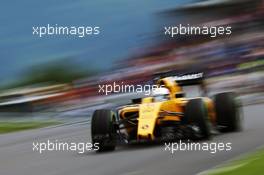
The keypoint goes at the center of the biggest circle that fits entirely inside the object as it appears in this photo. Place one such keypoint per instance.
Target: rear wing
(185, 79)
(189, 79)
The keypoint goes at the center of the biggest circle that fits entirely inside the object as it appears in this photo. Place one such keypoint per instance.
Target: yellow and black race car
(166, 115)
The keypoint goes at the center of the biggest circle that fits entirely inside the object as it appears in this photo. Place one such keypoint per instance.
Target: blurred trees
(55, 72)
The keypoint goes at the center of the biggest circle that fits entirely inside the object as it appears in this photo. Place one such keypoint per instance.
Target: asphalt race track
(17, 157)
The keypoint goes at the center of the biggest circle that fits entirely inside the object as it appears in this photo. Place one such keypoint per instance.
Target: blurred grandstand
(233, 62)
(230, 62)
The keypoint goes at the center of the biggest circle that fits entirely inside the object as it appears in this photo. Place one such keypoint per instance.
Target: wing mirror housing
(180, 95)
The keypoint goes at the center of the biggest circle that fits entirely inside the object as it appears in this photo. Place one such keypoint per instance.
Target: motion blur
(63, 61)
(229, 62)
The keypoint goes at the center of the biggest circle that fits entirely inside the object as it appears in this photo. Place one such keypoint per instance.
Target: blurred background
(53, 80)
(58, 74)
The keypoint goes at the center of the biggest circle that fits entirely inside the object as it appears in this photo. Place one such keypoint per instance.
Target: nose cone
(148, 114)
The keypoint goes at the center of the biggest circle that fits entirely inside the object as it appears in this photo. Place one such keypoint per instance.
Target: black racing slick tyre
(103, 130)
(196, 116)
(227, 112)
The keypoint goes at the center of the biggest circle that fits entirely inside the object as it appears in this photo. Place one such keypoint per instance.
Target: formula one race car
(166, 115)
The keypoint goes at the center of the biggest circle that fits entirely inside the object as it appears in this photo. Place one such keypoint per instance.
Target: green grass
(12, 126)
(249, 165)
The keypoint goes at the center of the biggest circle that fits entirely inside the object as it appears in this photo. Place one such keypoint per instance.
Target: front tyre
(196, 116)
(103, 130)
(227, 112)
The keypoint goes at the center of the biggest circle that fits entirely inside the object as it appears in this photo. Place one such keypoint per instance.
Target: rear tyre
(196, 116)
(103, 130)
(227, 112)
